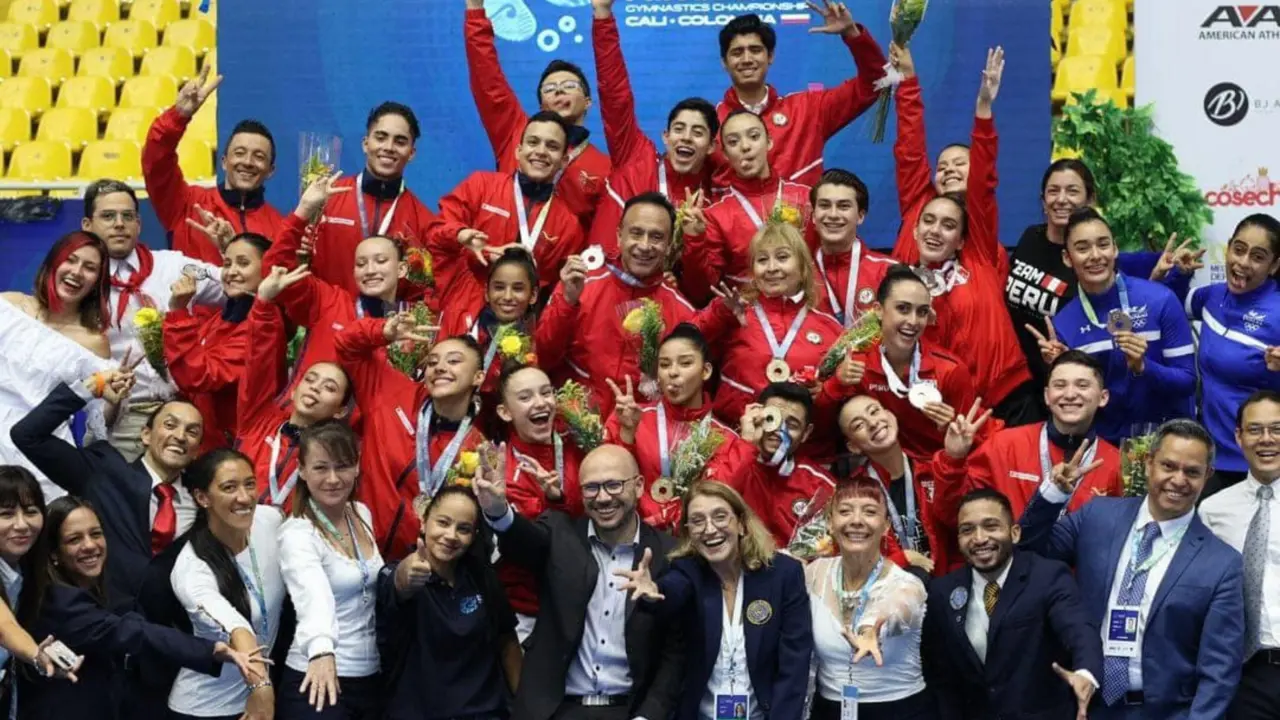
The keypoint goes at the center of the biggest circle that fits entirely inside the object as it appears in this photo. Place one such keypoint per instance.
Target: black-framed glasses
(612, 487)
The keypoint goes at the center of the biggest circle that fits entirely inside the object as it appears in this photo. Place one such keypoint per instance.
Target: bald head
(608, 462)
(610, 482)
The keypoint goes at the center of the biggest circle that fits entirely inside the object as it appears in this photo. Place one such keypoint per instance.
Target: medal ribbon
(906, 531)
(750, 209)
(364, 220)
(844, 313)
(431, 477)
(779, 350)
(1046, 464)
(279, 494)
(559, 450)
(529, 236)
(1087, 306)
(895, 383)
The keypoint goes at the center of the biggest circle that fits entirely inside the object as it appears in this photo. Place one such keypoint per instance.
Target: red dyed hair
(861, 487)
(93, 308)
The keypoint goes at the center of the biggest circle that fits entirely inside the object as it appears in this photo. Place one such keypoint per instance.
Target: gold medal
(777, 370)
(662, 490)
(772, 421)
(1118, 321)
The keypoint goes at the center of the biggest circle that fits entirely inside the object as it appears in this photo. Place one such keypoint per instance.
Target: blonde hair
(756, 545)
(785, 235)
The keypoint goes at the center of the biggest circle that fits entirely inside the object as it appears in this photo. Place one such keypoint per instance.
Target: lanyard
(906, 531)
(258, 590)
(863, 599)
(1136, 568)
(662, 178)
(529, 236)
(750, 209)
(895, 383)
(431, 477)
(329, 527)
(844, 313)
(1088, 306)
(734, 634)
(280, 494)
(559, 450)
(625, 277)
(1046, 464)
(776, 349)
(386, 219)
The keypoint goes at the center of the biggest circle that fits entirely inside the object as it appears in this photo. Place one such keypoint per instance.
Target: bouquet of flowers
(646, 321)
(1133, 464)
(573, 403)
(294, 351)
(692, 454)
(677, 234)
(811, 539)
(784, 213)
(421, 272)
(515, 345)
(904, 18)
(464, 469)
(407, 356)
(150, 325)
(319, 155)
(860, 336)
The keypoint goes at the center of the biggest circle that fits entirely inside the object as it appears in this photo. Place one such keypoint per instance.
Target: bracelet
(317, 656)
(260, 685)
(99, 384)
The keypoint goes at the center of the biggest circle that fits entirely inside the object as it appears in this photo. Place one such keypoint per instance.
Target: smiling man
(850, 272)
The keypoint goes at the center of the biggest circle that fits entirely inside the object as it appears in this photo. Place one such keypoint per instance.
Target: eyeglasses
(719, 520)
(112, 216)
(612, 487)
(1257, 431)
(566, 86)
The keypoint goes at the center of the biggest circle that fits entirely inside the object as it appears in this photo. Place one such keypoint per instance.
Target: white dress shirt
(1228, 513)
(213, 617)
(730, 675)
(166, 269)
(184, 506)
(334, 597)
(976, 621)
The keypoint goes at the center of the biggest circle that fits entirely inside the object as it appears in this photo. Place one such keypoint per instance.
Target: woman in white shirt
(743, 606)
(228, 580)
(330, 564)
(867, 615)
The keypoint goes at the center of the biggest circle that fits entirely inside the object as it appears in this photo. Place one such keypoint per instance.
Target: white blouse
(214, 618)
(730, 675)
(899, 598)
(334, 596)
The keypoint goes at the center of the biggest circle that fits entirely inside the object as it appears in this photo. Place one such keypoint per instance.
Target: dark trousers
(1020, 407)
(1258, 694)
(574, 711)
(358, 699)
(921, 706)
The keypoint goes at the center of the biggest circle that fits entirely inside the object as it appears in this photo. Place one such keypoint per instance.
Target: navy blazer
(1038, 620)
(120, 490)
(778, 630)
(1193, 644)
(104, 638)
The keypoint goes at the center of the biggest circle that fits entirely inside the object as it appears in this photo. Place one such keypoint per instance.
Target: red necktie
(166, 524)
(133, 286)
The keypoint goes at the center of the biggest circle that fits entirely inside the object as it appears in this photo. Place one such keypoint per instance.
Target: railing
(76, 186)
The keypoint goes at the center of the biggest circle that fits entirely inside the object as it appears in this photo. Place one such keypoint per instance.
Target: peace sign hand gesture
(317, 195)
(626, 409)
(491, 480)
(639, 581)
(1183, 257)
(694, 221)
(399, 328)
(865, 642)
(963, 429)
(549, 481)
(1050, 347)
(217, 229)
(836, 19)
(195, 92)
(1066, 475)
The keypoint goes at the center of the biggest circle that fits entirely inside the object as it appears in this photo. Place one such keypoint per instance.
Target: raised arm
(841, 104)
(910, 151)
(980, 190)
(622, 132)
(499, 106)
(66, 465)
(259, 380)
(196, 366)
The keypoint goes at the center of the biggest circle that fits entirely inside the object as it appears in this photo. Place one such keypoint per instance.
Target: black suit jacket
(1038, 620)
(120, 490)
(556, 548)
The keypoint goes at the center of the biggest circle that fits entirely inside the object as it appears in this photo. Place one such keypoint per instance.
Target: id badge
(731, 707)
(849, 702)
(1122, 632)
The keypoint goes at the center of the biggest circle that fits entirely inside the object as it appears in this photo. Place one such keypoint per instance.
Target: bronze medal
(777, 370)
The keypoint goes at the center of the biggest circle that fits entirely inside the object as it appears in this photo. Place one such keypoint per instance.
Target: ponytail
(208, 548)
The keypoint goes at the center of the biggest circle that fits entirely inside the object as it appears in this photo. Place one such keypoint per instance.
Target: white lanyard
(662, 178)
(776, 349)
(733, 632)
(364, 220)
(529, 236)
(913, 373)
(906, 531)
(1136, 568)
(279, 494)
(431, 477)
(750, 209)
(1046, 464)
(844, 313)
(664, 446)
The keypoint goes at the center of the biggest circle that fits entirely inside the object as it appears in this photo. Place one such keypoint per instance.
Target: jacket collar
(756, 187)
(784, 305)
(683, 414)
(534, 191)
(388, 189)
(243, 199)
(578, 135)
(735, 103)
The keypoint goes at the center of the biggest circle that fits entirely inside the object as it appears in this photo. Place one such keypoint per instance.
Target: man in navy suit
(1166, 594)
(997, 630)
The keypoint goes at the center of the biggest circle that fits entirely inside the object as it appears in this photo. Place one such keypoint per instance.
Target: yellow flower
(633, 321)
(791, 215)
(468, 461)
(510, 346)
(146, 317)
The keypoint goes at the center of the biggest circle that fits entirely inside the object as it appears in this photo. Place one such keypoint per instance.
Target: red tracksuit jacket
(833, 281)
(801, 123)
(928, 475)
(647, 450)
(206, 357)
(391, 402)
(636, 160)
(780, 500)
(486, 201)
(589, 337)
(582, 180)
(174, 200)
(338, 232)
(1010, 462)
(721, 253)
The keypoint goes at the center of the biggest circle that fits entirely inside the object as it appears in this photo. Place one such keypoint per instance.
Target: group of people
(646, 434)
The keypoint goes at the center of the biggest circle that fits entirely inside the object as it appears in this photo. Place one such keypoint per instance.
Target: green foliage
(1143, 194)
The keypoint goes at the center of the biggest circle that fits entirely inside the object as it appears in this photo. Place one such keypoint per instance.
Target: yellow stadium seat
(75, 126)
(1105, 42)
(33, 94)
(148, 92)
(53, 63)
(1100, 13)
(113, 63)
(195, 157)
(1127, 81)
(93, 92)
(15, 128)
(41, 13)
(195, 32)
(117, 159)
(40, 160)
(159, 12)
(6, 64)
(131, 124)
(76, 36)
(99, 12)
(204, 126)
(136, 36)
(18, 38)
(178, 63)
(1078, 74)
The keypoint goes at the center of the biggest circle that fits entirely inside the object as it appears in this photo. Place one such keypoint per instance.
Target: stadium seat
(1078, 74)
(99, 12)
(53, 63)
(195, 32)
(158, 12)
(1105, 42)
(111, 158)
(33, 94)
(149, 92)
(15, 128)
(178, 63)
(40, 160)
(18, 38)
(113, 63)
(6, 64)
(93, 92)
(204, 126)
(136, 36)
(131, 124)
(195, 157)
(1112, 14)
(41, 13)
(1127, 81)
(75, 126)
(75, 36)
